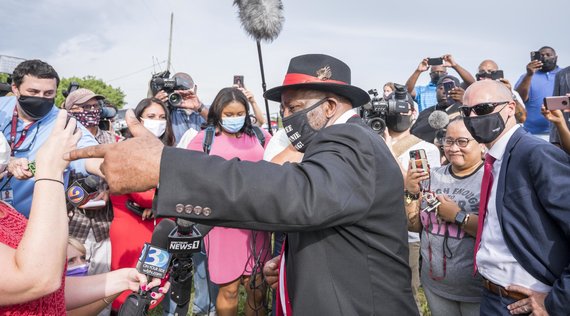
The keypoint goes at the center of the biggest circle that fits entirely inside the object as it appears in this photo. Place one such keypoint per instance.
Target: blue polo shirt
(36, 136)
(182, 121)
(541, 86)
(426, 96)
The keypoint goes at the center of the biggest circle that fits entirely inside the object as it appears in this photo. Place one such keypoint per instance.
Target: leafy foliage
(114, 95)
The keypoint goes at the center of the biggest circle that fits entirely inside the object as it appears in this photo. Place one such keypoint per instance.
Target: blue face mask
(233, 125)
(80, 270)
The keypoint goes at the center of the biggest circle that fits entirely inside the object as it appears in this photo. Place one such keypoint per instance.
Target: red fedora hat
(319, 72)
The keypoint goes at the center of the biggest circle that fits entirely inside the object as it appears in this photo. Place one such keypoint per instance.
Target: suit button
(179, 208)
(188, 208)
(207, 211)
(197, 210)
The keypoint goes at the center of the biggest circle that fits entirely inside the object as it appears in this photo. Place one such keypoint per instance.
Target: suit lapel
(505, 161)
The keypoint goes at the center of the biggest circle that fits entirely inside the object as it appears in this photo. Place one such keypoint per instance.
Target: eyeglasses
(481, 108)
(460, 141)
(85, 107)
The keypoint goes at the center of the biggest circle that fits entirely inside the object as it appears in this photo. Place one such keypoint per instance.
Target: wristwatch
(409, 197)
(460, 218)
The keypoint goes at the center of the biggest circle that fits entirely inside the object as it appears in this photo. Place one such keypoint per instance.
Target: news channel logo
(157, 257)
(75, 194)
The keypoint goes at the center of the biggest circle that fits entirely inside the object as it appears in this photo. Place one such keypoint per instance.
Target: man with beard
(536, 84)
(447, 105)
(26, 120)
(425, 96)
(341, 206)
(522, 248)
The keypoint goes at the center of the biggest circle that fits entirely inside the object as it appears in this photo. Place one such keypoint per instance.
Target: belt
(501, 291)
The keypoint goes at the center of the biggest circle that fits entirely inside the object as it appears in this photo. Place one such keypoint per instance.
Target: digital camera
(374, 113)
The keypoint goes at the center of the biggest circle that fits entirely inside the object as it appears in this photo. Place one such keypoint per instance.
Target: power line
(136, 72)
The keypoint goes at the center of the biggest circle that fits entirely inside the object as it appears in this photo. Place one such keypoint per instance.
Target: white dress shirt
(495, 261)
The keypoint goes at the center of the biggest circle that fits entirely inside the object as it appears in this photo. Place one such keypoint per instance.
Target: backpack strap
(260, 136)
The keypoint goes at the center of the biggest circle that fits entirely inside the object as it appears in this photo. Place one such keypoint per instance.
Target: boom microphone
(261, 19)
(438, 119)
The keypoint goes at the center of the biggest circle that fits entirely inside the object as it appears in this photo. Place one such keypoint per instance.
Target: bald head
(486, 91)
(488, 66)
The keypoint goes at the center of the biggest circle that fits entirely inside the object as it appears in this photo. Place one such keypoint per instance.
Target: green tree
(114, 95)
(3, 77)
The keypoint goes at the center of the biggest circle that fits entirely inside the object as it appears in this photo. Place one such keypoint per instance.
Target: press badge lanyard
(14, 146)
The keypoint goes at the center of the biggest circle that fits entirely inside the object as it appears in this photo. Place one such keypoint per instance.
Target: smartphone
(535, 56)
(557, 103)
(496, 75)
(435, 61)
(447, 86)
(238, 80)
(418, 158)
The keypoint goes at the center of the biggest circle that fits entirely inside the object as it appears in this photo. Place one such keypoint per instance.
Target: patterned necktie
(486, 185)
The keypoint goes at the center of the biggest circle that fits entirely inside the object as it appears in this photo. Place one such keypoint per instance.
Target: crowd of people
(457, 191)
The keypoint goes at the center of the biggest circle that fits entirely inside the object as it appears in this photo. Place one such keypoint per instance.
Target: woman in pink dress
(235, 256)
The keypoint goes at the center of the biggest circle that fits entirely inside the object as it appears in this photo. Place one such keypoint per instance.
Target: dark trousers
(495, 305)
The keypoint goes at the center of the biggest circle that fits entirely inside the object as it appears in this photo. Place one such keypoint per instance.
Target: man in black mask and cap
(436, 117)
(536, 84)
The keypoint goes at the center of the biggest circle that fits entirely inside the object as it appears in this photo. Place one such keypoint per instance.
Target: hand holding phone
(557, 103)
(238, 80)
(535, 56)
(435, 61)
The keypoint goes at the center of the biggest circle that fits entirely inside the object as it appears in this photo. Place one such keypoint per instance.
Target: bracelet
(49, 179)
(105, 300)
(201, 108)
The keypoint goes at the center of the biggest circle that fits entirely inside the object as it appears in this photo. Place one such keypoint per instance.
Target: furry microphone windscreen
(438, 119)
(262, 19)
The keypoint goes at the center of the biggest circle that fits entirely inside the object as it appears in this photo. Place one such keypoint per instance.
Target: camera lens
(377, 124)
(174, 99)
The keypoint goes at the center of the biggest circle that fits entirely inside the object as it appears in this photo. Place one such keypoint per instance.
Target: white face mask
(157, 127)
(4, 153)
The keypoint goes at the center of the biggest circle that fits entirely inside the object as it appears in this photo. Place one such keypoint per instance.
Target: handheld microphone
(82, 190)
(183, 241)
(154, 262)
(438, 119)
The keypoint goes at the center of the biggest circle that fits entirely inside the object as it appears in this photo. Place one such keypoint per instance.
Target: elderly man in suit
(523, 243)
(342, 206)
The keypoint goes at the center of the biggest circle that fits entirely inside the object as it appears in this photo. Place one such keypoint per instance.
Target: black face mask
(486, 128)
(549, 64)
(435, 77)
(35, 107)
(299, 130)
(398, 123)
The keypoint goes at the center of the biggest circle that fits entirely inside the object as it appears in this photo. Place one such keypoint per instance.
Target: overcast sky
(124, 42)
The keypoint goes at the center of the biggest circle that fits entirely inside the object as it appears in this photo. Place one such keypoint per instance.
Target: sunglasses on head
(481, 108)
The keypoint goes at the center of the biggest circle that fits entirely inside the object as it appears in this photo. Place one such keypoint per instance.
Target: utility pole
(170, 42)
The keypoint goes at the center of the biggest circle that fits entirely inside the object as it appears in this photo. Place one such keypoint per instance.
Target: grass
(158, 310)
(241, 305)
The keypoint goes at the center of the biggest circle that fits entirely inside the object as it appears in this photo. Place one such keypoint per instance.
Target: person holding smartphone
(425, 96)
(489, 70)
(536, 84)
(448, 231)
